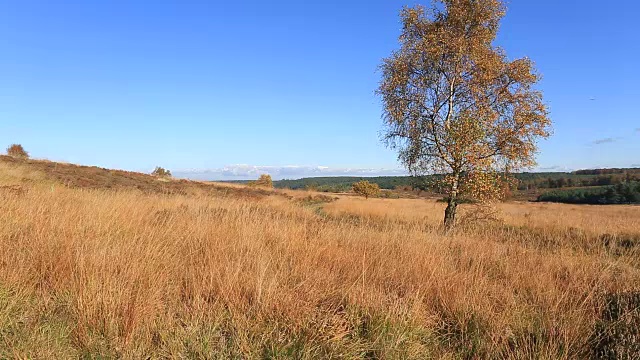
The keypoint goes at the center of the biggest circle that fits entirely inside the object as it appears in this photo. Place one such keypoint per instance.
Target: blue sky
(285, 87)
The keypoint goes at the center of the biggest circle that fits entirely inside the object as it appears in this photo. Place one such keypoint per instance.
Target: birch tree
(453, 104)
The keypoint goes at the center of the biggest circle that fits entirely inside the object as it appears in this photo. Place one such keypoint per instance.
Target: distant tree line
(341, 183)
(623, 193)
(525, 181)
(608, 171)
(577, 180)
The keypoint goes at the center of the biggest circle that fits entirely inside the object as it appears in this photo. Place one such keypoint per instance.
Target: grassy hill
(22, 172)
(99, 263)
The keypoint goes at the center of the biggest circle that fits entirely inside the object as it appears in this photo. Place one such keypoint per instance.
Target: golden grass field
(128, 273)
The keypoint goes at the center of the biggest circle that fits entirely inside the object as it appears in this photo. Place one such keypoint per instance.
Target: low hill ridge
(19, 171)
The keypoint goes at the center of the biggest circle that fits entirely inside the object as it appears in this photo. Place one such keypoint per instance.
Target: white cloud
(248, 172)
(554, 168)
(608, 140)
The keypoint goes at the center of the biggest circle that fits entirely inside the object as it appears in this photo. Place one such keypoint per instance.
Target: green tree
(454, 104)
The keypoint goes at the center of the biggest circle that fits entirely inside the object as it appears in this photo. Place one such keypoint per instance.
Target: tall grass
(125, 274)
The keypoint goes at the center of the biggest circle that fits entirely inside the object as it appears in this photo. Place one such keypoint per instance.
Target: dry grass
(594, 218)
(130, 273)
(91, 177)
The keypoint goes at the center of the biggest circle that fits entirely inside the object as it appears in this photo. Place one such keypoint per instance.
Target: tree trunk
(450, 214)
(452, 204)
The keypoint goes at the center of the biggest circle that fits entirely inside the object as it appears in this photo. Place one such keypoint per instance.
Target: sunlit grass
(129, 274)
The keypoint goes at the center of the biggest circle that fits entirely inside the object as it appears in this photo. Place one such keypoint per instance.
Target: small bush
(317, 199)
(17, 151)
(264, 181)
(161, 172)
(365, 188)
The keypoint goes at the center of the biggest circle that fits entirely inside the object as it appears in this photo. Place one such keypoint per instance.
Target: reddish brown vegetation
(17, 151)
(93, 177)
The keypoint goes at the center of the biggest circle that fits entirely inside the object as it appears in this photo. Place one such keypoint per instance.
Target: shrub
(161, 172)
(365, 188)
(264, 181)
(17, 151)
(317, 199)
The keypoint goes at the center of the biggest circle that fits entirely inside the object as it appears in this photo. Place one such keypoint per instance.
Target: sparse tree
(17, 151)
(365, 188)
(161, 172)
(455, 105)
(264, 181)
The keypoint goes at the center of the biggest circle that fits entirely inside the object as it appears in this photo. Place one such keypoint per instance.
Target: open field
(595, 219)
(171, 269)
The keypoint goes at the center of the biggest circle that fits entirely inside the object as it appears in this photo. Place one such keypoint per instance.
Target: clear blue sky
(208, 84)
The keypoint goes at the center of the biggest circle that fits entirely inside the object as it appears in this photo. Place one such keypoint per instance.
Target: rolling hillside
(99, 263)
(20, 172)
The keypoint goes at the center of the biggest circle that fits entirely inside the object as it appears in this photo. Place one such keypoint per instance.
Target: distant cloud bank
(251, 172)
(248, 172)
